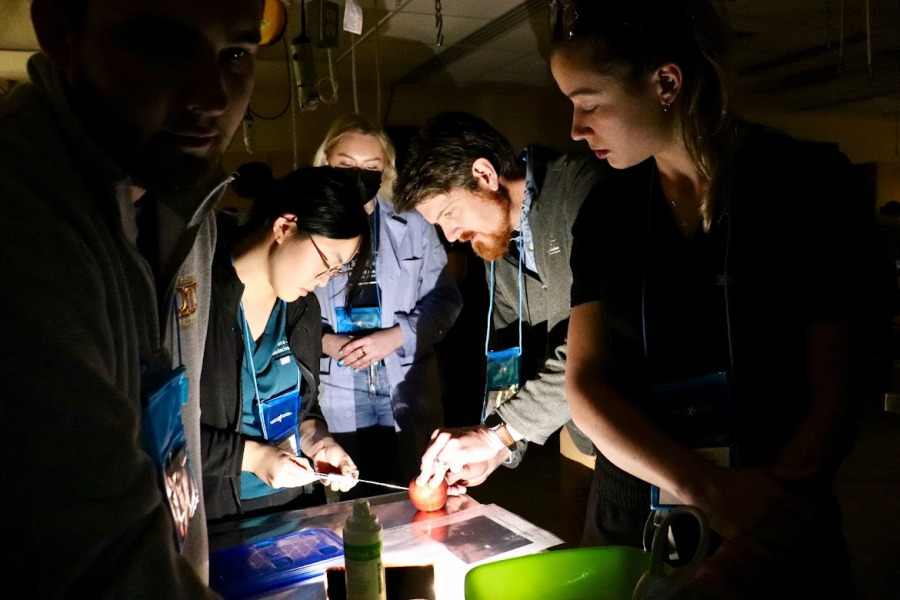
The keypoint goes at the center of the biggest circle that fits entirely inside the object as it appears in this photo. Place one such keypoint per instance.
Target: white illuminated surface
(452, 543)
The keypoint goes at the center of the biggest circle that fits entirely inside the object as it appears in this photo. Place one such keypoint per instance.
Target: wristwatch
(495, 423)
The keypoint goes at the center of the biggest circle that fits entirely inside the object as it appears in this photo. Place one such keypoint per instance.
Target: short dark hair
(441, 154)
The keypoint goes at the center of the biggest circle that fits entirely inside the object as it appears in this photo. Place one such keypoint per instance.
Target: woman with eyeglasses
(724, 287)
(263, 435)
(381, 387)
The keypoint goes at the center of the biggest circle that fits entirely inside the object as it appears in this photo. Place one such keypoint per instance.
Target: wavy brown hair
(441, 154)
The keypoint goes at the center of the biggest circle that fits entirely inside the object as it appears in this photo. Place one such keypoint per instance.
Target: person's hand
(464, 455)
(764, 515)
(333, 342)
(329, 458)
(370, 347)
(276, 467)
(760, 501)
(472, 474)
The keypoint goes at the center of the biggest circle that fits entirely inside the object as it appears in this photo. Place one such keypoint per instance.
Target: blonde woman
(381, 391)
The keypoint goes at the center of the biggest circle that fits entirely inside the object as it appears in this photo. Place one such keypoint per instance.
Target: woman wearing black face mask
(263, 434)
(381, 390)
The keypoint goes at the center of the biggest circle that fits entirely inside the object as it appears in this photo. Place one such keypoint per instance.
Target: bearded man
(517, 211)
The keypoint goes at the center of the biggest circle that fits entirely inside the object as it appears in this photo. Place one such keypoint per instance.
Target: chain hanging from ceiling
(439, 22)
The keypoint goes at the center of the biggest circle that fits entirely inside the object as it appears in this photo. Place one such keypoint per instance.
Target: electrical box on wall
(323, 23)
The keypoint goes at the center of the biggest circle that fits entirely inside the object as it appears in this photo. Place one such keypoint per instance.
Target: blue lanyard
(376, 222)
(487, 337)
(177, 329)
(249, 354)
(375, 245)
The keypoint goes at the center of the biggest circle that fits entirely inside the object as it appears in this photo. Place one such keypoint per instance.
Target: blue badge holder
(503, 368)
(501, 378)
(362, 318)
(164, 440)
(357, 318)
(278, 419)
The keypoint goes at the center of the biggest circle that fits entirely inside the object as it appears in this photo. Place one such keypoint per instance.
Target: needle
(339, 475)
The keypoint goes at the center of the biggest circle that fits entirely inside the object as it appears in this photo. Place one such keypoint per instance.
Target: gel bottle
(364, 568)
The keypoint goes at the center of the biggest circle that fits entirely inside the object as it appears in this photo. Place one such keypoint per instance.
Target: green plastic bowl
(601, 573)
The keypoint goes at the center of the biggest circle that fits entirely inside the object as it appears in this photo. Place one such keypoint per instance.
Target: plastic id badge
(164, 440)
(274, 563)
(502, 377)
(358, 318)
(278, 420)
(697, 413)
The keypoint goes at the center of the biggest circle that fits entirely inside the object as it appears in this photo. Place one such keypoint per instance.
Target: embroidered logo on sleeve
(186, 294)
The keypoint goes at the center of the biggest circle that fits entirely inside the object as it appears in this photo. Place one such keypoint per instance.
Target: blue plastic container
(274, 563)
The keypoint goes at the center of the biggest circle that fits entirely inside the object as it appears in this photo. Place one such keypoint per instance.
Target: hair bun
(252, 180)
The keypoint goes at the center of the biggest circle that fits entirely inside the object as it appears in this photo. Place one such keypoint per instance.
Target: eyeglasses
(561, 19)
(331, 272)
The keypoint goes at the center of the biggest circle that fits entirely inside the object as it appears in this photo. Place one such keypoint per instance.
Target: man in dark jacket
(109, 173)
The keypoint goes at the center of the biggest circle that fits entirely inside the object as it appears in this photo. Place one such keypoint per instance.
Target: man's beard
(495, 247)
(496, 244)
(157, 166)
(152, 161)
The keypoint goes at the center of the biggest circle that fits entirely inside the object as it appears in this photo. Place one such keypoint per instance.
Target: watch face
(493, 421)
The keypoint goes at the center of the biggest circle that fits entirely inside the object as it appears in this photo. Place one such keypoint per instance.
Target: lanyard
(249, 354)
(520, 244)
(177, 329)
(500, 357)
(375, 244)
(376, 222)
(487, 336)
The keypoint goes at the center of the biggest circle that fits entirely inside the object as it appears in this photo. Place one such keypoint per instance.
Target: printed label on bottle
(365, 580)
(364, 552)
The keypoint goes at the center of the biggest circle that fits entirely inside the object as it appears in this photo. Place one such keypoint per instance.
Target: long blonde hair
(353, 123)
